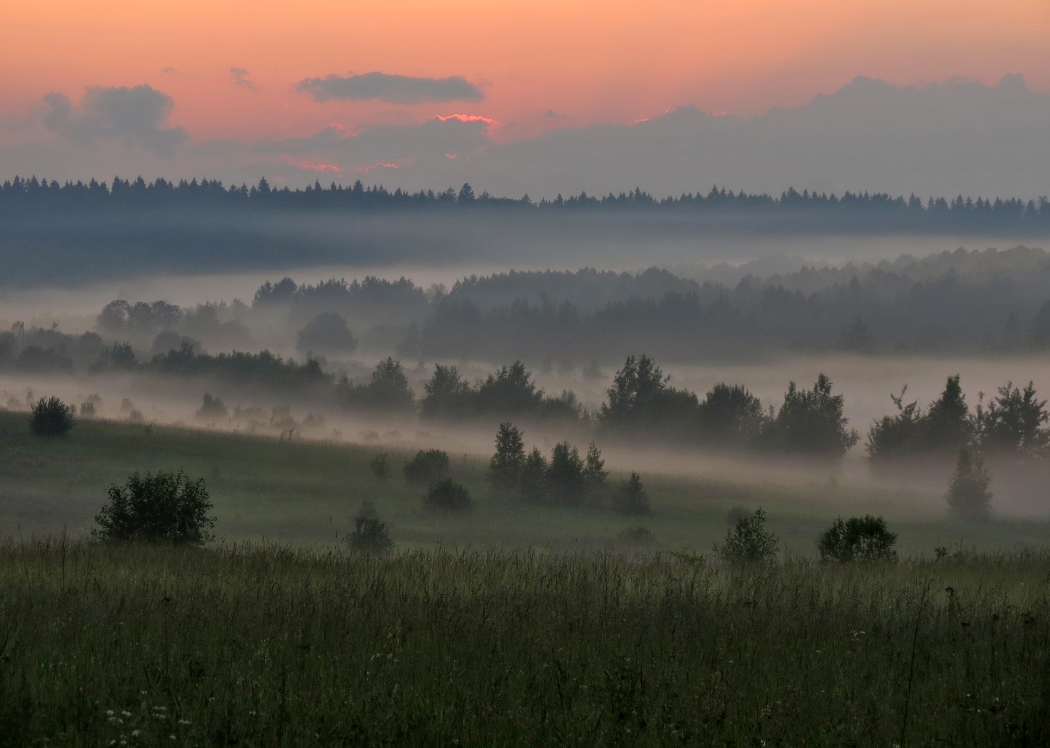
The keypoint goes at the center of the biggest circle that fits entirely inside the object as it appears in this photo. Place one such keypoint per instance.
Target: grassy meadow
(255, 645)
(306, 493)
(513, 624)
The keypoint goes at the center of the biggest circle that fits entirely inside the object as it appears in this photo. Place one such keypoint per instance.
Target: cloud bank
(134, 116)
(956, 137)
(395, 89)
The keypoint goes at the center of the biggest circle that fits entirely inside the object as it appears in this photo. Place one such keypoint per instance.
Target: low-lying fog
(866, 383)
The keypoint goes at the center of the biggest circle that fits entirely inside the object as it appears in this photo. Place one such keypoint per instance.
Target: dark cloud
(240, 77)
(133, 115)
(396, 89)
(551, 114)
(169, 70)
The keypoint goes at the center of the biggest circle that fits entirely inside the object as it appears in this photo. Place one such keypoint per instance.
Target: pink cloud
(467, 118)
(308, 165)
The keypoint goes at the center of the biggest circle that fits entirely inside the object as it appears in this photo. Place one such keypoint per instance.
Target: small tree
(749, 541)
(505, 466)
(533, 478)
(379, 466)
(594, 475)
(51, 417)
(633, 499)
(858, 539)
(447, 496)
(166, 507)
(369, 535)
(968, 495)
(427, 466)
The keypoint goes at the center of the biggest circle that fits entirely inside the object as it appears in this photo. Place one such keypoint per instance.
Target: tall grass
(257, 645)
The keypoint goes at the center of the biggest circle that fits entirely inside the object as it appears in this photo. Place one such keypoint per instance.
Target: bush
(166, 507)
(749, 541)
(858, 539)
(427, 466)
(370, 534)
(212, 408)
(968, 495)
(380, 468)
(448, 496)
(633, 499)
(51, 417)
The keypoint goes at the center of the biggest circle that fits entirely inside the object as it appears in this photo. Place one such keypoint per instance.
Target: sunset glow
(589, 61)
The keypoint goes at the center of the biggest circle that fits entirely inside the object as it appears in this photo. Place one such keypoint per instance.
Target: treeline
(962, 213)
(1012, 422)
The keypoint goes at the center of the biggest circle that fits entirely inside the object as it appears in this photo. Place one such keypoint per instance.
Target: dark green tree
(968, 495)
(532, 482)
(506, 464)
(51, 417)
(1013, 421)
(447, 394)
(633, 499)
(811, 422)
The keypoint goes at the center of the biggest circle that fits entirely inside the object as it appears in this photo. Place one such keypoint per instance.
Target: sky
(170, 87)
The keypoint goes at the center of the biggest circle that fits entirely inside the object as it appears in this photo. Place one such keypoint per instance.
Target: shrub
(968, 495)
(448, 496)
(212, 408)
(506, 464)
(633, 499)
(370, 534)
(749, 541)
(427, 466)
(166, 507)
(380, 468)
(858, 539)
(51, 417)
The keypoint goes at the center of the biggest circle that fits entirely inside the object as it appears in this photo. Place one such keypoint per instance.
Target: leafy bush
(506, 464)
(379, 466)
(370, 534)
(633, 499)
(968, 495)
(427, 466)
(51, 417)
(166, 507)
(448, 496)
(749, 541)
(858, 539)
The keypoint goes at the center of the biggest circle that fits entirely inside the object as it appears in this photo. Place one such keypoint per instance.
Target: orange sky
(587, 60)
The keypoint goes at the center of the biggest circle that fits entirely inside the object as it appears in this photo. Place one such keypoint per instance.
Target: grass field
(145, 646)
(307, 493)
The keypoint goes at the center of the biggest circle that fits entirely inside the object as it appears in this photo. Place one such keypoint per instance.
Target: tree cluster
(642, 404)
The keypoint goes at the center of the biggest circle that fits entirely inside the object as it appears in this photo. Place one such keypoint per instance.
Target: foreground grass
(268, 646)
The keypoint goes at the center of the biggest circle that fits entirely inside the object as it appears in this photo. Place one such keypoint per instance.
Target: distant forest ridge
(964, 212)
